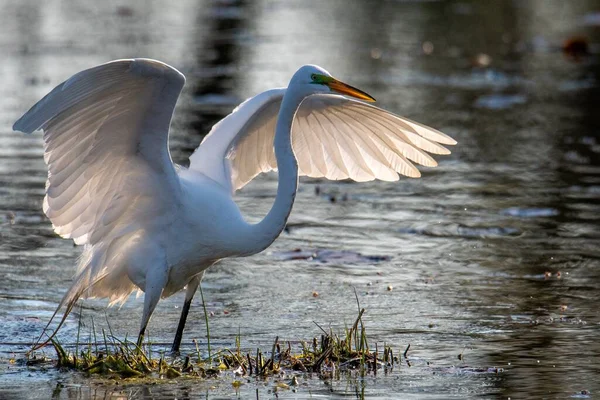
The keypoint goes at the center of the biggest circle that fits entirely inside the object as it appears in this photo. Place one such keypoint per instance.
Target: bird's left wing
(105, 137)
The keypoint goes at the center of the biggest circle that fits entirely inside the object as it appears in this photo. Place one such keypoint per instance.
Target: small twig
(273, 351)
(78, 331)
(105, 342)
(197, 349)
(357, 302)
(406, 351)
(207, 328)
(319, 326)
(149, 342)
(259, 363)
(375, 360)
(110, 331)
(317, 365)
(95, 338)
(126, 344)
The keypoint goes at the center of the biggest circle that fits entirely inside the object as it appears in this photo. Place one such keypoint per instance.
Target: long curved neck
(266, 231)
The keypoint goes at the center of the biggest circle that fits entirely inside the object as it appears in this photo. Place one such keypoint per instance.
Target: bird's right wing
(240, 146)
(337, 137)
(332, 136)
(105, 139)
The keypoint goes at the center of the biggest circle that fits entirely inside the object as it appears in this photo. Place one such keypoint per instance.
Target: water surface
(493, 255)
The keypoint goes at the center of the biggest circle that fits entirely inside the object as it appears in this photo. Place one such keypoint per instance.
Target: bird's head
(321, 81)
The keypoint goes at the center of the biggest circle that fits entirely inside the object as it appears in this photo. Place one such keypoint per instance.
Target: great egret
(150, 225)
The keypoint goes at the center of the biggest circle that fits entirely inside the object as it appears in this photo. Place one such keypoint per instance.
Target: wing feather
(393, 161)
(337, 168)
(388, 134)
(314, 151)
(332, 137)
(227, 154)
(354, 165)
(105, 138)
(361, 151)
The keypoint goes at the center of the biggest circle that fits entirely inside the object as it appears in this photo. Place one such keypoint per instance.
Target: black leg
(141, 337)
(189, 295)
(182, 319)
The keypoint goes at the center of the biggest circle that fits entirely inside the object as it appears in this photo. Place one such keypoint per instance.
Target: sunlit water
(493, 256)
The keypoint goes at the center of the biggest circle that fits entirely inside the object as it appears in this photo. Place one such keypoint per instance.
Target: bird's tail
(88, 274)
(101, 273)
(78, 287)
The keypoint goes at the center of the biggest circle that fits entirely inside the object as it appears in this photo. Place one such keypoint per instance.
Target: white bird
(150, 225)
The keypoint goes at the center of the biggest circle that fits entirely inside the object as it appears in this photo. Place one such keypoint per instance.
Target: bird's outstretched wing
(332, 136)
(106, 146)
(252, 120)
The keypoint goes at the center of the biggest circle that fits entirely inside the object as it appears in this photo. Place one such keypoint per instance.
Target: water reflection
(475, 248)
(219, 57)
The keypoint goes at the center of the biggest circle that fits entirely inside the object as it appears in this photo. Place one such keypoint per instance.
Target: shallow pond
(493, 256)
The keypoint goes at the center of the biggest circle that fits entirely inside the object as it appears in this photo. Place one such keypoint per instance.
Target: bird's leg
(192, 286)
(155, 282)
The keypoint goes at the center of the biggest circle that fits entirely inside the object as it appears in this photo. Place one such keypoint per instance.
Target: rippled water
(494, 255)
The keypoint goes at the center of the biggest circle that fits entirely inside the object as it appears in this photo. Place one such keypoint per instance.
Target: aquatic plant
(327, 355)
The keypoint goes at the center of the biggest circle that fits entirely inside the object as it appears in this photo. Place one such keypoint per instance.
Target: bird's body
(150, 225)
(202, 237)
(208, 225)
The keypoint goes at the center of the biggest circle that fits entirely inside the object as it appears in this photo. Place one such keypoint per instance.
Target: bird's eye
(313, 77)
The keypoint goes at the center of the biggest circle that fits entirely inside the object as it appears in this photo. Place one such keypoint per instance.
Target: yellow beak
(348, 90)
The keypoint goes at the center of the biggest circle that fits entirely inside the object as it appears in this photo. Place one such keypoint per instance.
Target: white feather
(332, 136)
(109, 168)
